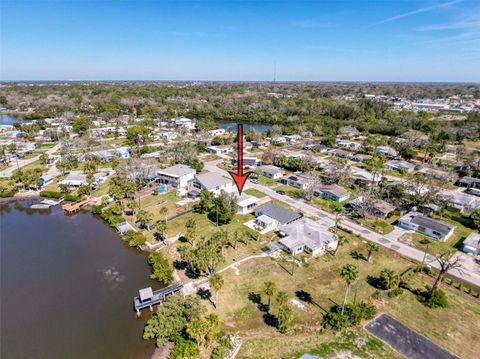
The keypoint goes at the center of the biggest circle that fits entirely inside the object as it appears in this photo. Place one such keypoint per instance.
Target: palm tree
(144, 218)
(341, 241)
(270, 289)
(349, 273)
(163, 212)
(388, 279)
(131, 205)
(216, 282)
(337, 209)
(371, 248)
(285, 316)
(282, 298)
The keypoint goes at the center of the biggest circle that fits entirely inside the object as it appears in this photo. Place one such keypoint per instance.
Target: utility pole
(425, 254)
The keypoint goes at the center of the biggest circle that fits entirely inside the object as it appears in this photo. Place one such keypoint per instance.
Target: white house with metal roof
(433, 228)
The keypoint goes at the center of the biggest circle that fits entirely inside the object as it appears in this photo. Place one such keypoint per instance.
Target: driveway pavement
(406, 341)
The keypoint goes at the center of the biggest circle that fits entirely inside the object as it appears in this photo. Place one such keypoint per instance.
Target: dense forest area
(318, 107)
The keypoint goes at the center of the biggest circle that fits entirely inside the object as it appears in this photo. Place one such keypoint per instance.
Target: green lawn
(291, 191)
(326, 204)
(320, 279)
(255, 192)
(267, 181)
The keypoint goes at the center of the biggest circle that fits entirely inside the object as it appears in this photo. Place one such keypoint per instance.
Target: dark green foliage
(97, 209)
(436, 300)
(353, 315)
(134, 239)
(162, 270)
(58, 195)
(395, 292)
(184, 349)
(220, 209)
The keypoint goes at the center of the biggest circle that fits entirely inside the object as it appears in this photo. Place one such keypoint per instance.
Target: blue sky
(425, 40)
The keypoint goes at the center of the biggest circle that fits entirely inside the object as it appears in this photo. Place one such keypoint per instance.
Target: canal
(67, 284)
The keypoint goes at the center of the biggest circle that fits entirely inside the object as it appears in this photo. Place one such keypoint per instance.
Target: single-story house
(334, 192)
(77, 179)
(122, 152)
(349, 144)
(308, 236)
(433, 228)
(469, 182)
(386, 150)
(461, 202)
(246, 203)
(271, 171)
(471, 244)
(401, 166)
(176, 176)
(340, 153)
(380, 209)
(278, 140)
(359, 157)
(185, 123)
(216, 132)
(272, 215)
(321, 148)
(248, 161)
(295, 180)
(292, 138)
(212, 182)
(220, 150)
(437, 174)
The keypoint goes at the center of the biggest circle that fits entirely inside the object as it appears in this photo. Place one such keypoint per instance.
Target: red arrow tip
(240, 180)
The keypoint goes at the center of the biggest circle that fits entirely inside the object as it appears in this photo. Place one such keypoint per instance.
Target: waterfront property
(176, 176)
(147, 298)
(425, 225)
(212, 182)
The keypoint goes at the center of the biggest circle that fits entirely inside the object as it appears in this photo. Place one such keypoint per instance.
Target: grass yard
(267, 181)
(254, 192)
(291, 191)
(326, 204)
(33, 165)
(321, 281)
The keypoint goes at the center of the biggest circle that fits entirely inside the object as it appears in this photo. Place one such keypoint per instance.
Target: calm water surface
(67, 284)
(7, 119)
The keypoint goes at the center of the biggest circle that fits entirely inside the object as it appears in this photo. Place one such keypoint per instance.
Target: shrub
(5, 194)
(97, 209)
(134, 239)
(395, 292)
(353, 315)
(437, 300)
(51, 194)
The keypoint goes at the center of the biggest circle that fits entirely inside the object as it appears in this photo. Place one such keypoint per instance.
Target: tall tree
(216, 282)
(447, 261)
(371, 248)
(349, 273)
(270, 289)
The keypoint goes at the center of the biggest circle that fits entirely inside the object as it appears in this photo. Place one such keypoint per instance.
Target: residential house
(433, 228)
(169, 135)
(340, 153)
(271, 216)
(351, 145)
(400, 166)
(437, 174)
(123, 152)
(247, 162)
(461, 202)
(292, 138)
(76, 179)
(469, 182)
(271, 171)
(306, 235)
(220, 150)
(216, 132)
(386, 150)
(45, 179)
(296, 180)
(212, 182)
(186, 123)
(278, 140)
(379, 209)
(246, 203)
(177, 176)
(333, 192)
(471, 244)
(359, 157)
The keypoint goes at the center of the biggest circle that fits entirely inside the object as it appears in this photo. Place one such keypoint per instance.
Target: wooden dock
(73, 207)
(149, 298)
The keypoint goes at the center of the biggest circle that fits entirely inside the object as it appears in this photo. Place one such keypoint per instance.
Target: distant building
(296, 180)
(220, 150)
(186, 123)
(400, 166)
(379, 209)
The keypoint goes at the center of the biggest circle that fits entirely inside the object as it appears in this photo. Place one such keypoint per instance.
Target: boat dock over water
(147, 298)
(73, 207)
(46, 203)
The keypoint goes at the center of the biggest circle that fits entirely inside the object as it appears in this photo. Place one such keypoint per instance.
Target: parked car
(281, 192)
(254, 180)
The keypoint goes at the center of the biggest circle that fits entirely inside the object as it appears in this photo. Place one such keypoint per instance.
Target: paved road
(469, 272)
(406, 341)
(7, 172)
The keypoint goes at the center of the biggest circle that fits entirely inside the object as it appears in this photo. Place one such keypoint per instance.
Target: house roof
(473, 240)
(427, 222)
(145, 293)
(270, 169)
(245, 200)
(401, 164)
(177, 171)
(380, 205)
(334, 189)
(306, 232)
(212, 180)
(279, 213)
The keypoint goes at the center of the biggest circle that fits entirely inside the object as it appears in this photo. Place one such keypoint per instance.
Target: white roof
(177, 171)
(265, 219)
(246, 201)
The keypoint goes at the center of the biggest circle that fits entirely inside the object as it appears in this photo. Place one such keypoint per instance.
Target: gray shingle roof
(282, 215)
(212, 180)
(431, 223)
(177, 170)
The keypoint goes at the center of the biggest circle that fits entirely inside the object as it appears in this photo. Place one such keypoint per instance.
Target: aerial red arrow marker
(240, 178)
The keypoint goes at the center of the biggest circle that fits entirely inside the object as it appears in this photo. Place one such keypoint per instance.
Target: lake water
(67, 285)
(233, 126)
(7, 119)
